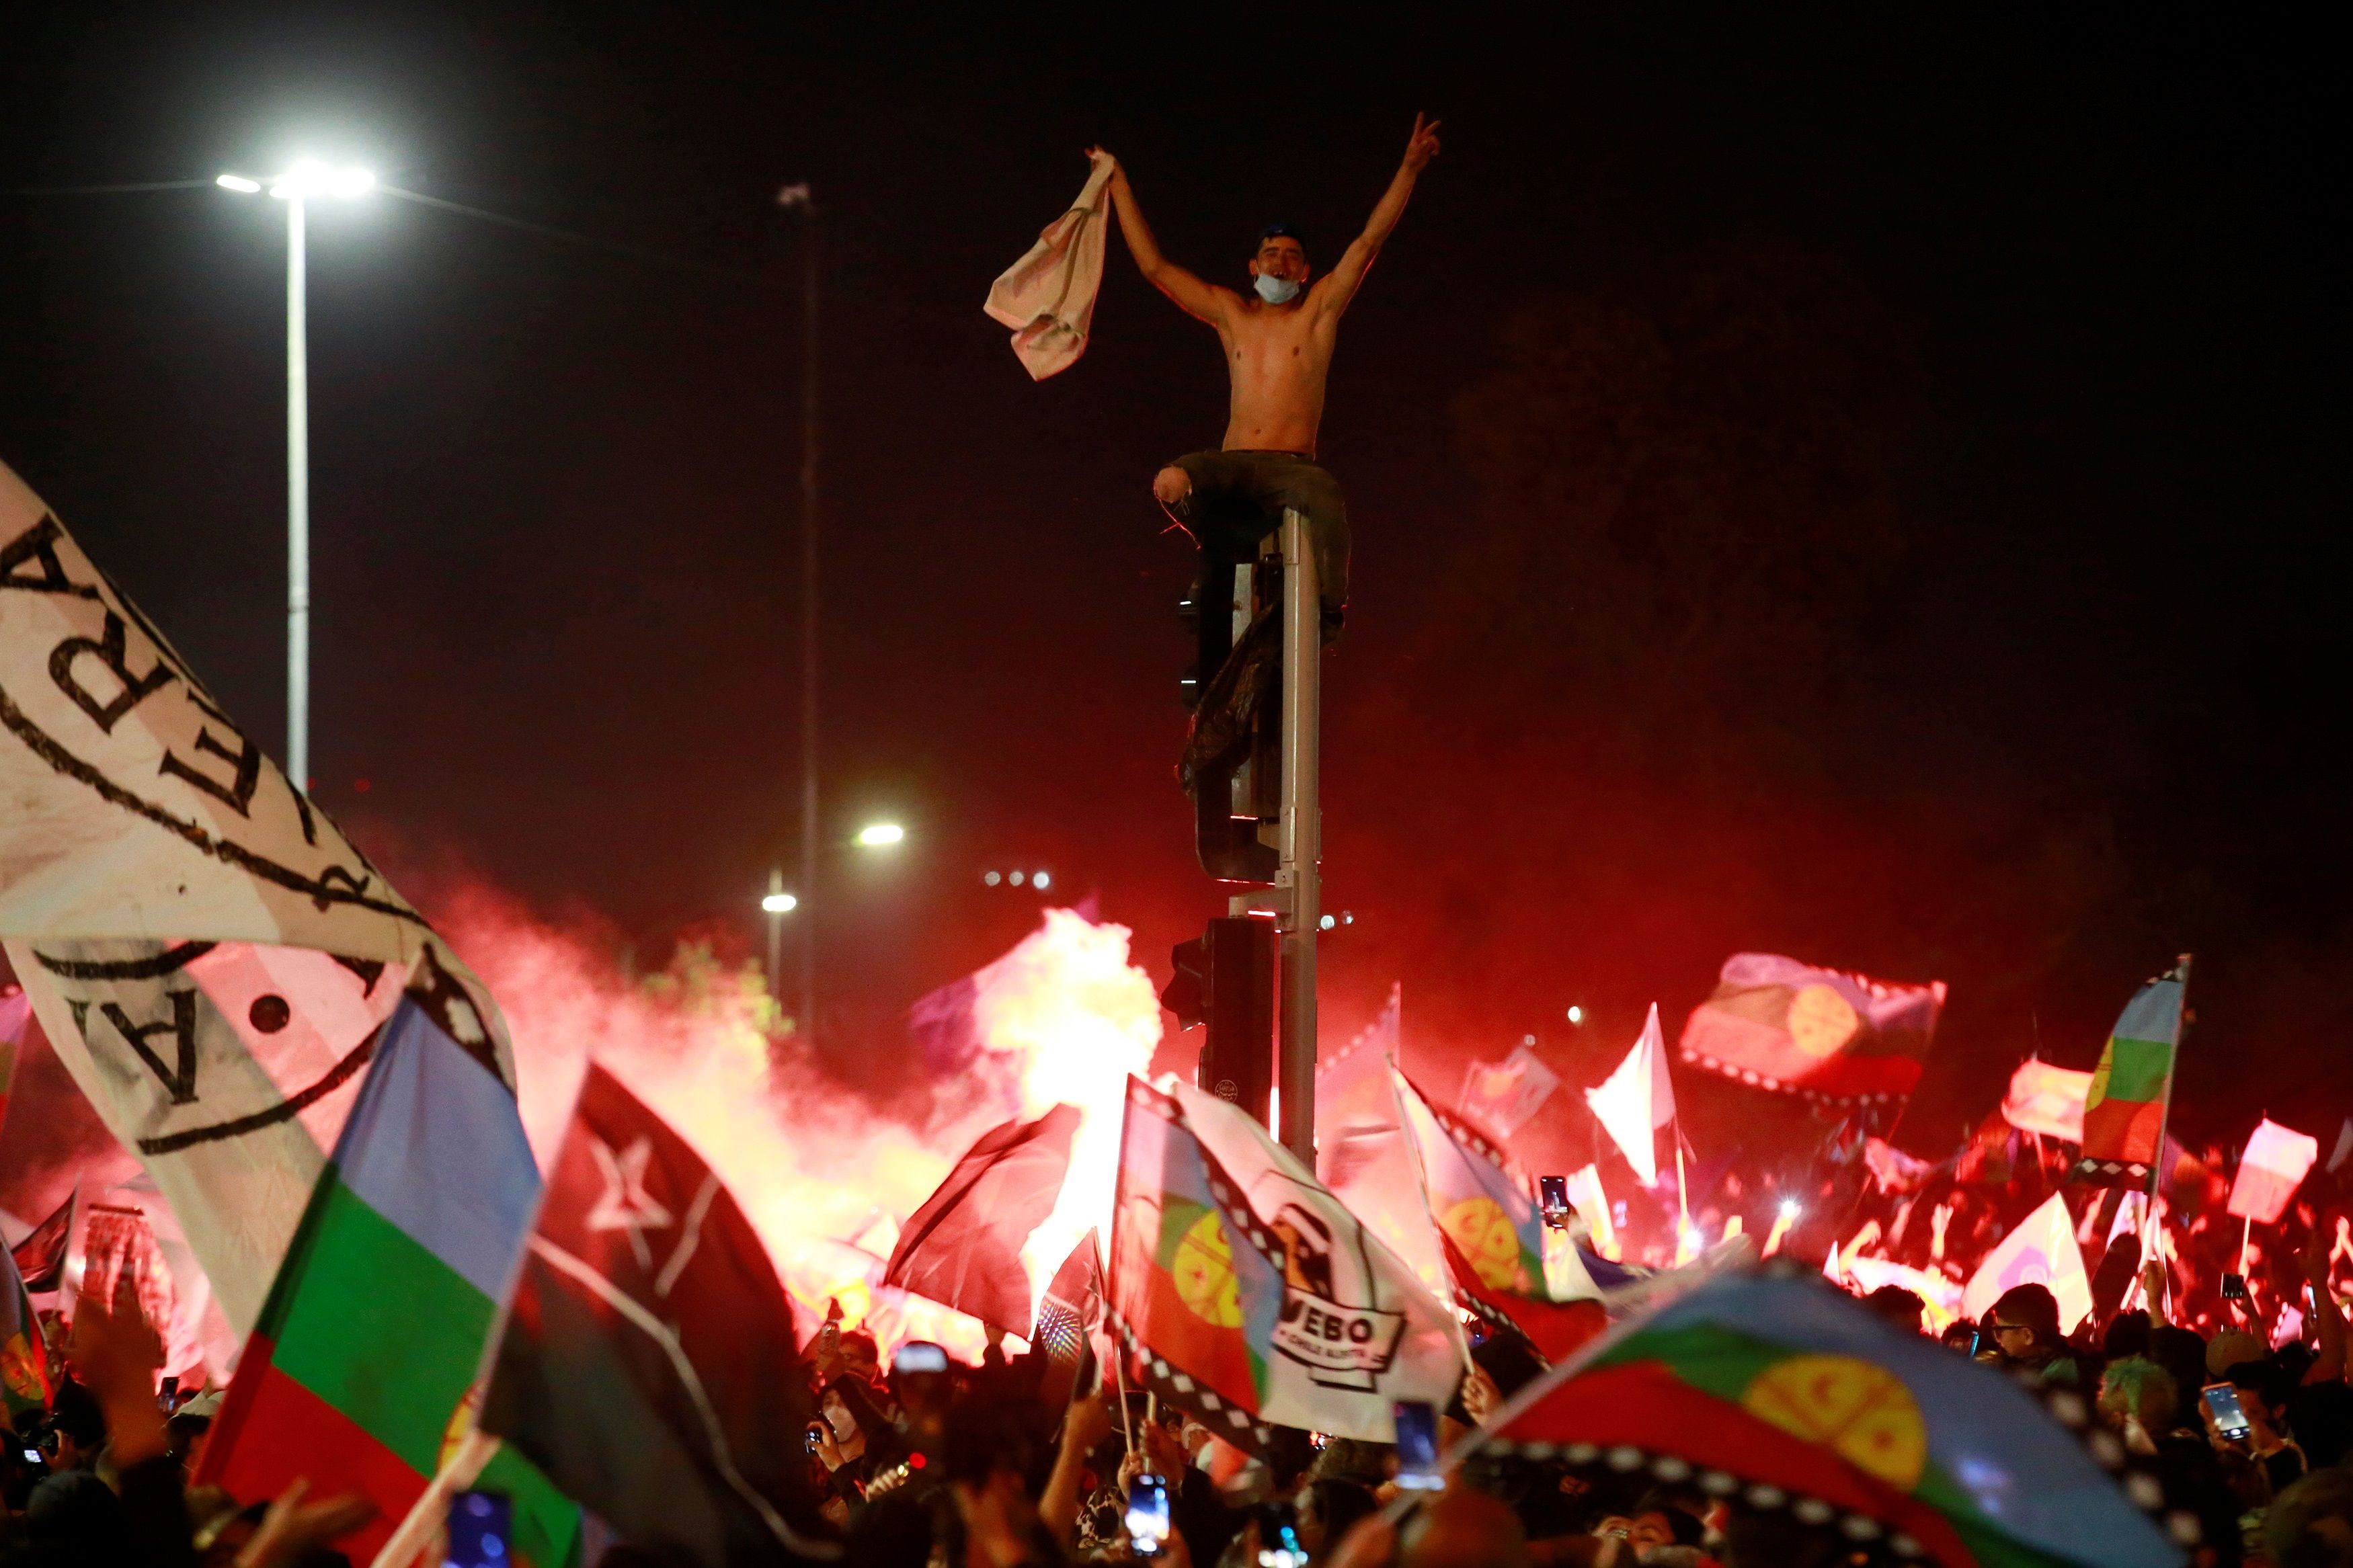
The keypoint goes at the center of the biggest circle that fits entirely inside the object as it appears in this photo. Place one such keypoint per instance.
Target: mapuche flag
(1493, 1233)
(360, 1374)
(2123, 1110)
(963, 1247)
(24, 1359)
(1251, 1296)
(649, 1363)
(1775, 1023)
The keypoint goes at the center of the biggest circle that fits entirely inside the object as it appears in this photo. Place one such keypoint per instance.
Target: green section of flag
(379, 1326)
(1719, 1362)
(546, 1522)
(2137, 1069)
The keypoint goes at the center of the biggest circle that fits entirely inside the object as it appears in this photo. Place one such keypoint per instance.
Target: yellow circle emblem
(1821, 1021)
(1861, 1413)
(1203, 1269)
(1484, 1231)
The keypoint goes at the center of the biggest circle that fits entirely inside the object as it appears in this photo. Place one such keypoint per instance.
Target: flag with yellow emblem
(1249, 1295)
(1485, 1209)
(1822, 1033)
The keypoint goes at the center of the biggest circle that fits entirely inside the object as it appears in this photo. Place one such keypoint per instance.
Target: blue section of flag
(2153, 1013)
(435, 1145)
(1609, 1276)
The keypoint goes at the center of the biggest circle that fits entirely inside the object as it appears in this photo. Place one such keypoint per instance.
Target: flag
(1785, 1395)
(1592, 1205)
(1775, 1023)
(2047, 1100)
(362, 1372)
(649, 1364)
(208, 956)
(2275, 1163)
(1638, 1098)
(1360, 1149)
(1482, 1202)
(1071, 1306)
(1892, 1169)
(2123, 1109)
(24, 1359)
(2041, 1251)
(1504, 1095)
(1553, 1329)
(1253, 1297)
(40, 1257)
(963, 1247)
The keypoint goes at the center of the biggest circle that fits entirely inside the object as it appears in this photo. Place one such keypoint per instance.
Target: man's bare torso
(1277, 356)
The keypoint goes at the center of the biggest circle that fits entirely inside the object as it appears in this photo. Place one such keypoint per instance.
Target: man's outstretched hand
(1422, 146)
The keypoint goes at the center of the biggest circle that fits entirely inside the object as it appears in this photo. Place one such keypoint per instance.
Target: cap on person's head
(2029, 1307)
(2231, 1349)
(1281, 231)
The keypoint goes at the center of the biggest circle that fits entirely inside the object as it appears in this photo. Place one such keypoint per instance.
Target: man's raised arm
(1349, 275)
(1192, 296)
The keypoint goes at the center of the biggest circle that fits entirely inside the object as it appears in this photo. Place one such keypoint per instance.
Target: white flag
(207, 954)
(1638, 1099)
(2041, 1251)
(2275, 1163)
(2047, 1100)
(1361, 1153)
(1501, 1096)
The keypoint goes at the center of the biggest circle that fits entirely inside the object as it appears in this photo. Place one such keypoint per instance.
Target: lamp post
(776, 905)
(798, 198)
(297, 187)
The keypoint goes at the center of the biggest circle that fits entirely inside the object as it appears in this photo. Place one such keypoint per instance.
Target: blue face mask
(1277, 291)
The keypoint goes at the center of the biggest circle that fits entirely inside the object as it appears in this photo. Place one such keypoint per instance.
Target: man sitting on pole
(1278, 341)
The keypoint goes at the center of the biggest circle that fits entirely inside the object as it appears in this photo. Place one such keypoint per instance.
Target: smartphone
(815, 1435)
(2230, 1416)
(1552, 1196)
(1147, 1515)
(2234, 1287)
(168, 1396)
(920, 1355)
(481, 1531)
(1417, 1445)
(1278, 1537)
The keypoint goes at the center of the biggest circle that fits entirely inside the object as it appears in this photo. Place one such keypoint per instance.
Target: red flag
(1073, 1302)
(41, 1256)
(963, 1247)
(1554, 1329)
(1824, 1033)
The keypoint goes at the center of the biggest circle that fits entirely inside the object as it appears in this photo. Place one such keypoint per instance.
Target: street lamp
(298, 186)
(776, 904)
(880, 835)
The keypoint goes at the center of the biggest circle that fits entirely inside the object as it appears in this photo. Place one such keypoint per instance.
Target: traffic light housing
(1225, 980)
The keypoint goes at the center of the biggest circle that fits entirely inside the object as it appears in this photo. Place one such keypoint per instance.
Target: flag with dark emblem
(1824, 1034)
(41, 1256)
(648, 1364)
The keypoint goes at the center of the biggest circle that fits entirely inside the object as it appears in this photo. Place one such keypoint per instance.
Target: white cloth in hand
(1047, 296)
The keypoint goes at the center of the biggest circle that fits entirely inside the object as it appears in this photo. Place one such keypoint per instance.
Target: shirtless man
(1278, 342)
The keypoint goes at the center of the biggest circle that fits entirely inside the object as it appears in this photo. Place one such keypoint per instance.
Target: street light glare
(1577, 1014)
(876, 835)
(1040, 879)
(1790, 1210)
(779, 904)
(239, 183)
(312, 178)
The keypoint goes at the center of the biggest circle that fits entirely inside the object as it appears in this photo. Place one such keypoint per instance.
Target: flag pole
(2148, 1247)
(1119, 1381)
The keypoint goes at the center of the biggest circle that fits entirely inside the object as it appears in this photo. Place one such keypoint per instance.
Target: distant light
(1328, 922)
(1577, 1014)
(1527, 1039)
(876, 835)
(1041, 880)
(779, 904)
(239, 183)
(312, 178)
(1346, 919)
(1792, 1209)
(992, 878)
(1016, 878)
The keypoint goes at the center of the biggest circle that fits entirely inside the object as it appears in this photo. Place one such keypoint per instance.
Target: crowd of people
(929, 1461)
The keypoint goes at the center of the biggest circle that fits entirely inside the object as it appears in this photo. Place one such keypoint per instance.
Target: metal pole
(775, 937)
(812, 904)
(1301, 841)
(298, 505)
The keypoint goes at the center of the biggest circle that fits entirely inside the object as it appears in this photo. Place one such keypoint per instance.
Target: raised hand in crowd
(293, 1528)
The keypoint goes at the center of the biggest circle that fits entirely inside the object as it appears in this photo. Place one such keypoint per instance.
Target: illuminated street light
(1017, 879)
(880, 835)
(1040, 881)
(1577, 1014)
(776, 904)
(1790, 1210)
(991, 877)
(779, 904)
(306, 181)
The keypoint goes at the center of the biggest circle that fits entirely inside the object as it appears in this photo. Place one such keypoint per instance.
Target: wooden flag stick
(2246, 1235)
(1119, 1382)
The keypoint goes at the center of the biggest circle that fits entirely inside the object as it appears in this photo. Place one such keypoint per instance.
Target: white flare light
(239, 183)
(779, 904)
(878, 835)
(311, 179)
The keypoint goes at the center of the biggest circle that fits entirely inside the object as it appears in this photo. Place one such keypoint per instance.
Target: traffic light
(1231, 757)
(1225, 979)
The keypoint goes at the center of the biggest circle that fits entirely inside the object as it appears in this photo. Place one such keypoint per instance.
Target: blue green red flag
(2123, 1110)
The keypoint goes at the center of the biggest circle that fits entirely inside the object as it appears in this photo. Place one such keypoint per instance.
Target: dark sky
(1856, 485)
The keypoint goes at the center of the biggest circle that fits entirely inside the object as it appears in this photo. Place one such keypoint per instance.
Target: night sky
(1865, 487)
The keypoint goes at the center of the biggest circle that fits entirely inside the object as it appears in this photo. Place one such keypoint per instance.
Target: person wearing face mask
(1278, 342)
